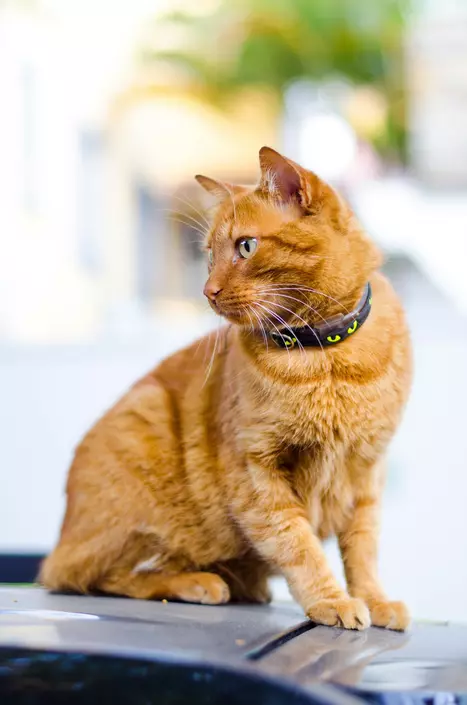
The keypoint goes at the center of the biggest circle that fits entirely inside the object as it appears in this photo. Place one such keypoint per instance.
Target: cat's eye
(247, 247)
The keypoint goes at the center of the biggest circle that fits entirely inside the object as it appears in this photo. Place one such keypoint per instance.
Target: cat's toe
(349, 613)
(390, 615)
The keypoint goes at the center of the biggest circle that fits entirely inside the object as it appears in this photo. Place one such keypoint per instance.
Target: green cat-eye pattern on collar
(330, 332)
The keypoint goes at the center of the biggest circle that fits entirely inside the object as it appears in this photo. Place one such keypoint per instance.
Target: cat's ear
(278, 176)
(219, 189)
(284, 179)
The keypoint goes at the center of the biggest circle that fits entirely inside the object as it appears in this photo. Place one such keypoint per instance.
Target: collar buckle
(282, 340)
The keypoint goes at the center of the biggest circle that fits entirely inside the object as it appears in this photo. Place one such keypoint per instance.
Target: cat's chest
(322, 414)
(316, 429)
(321, 479)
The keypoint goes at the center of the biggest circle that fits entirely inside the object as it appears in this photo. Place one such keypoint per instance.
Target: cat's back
(190, 368)
(149, 414)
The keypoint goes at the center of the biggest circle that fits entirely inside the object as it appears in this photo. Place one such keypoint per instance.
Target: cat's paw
(348, 612)
(390, 615)
(203, 588)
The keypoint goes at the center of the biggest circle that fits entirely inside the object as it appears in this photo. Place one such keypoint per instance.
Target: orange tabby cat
(198, 486)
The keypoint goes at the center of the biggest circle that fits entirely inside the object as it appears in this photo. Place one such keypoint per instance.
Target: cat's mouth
(257, 312)
(233, 312)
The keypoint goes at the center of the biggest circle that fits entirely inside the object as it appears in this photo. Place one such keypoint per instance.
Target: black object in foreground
(49, 677)
(84, 650)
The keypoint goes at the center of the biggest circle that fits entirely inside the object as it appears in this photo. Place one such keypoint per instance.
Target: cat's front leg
(276, 524)
(359, 548)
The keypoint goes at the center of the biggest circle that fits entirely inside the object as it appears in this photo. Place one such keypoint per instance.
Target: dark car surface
(73, 649)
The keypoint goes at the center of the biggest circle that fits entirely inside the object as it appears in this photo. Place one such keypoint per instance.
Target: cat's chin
(236, 317)
(236, 320)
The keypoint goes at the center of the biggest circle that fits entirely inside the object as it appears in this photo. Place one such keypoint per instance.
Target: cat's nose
(211, 290)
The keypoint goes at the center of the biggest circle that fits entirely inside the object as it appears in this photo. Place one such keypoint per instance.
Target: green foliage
(273, 42)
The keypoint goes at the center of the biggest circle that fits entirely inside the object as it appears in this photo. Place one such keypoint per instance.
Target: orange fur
(197, 487)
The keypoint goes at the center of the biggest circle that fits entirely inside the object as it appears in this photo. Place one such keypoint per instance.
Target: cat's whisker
(233, 202)
(299, 318)
(284, 323)
(262, 328)
(252, 327)
(276, 328)
(188, 224)
(193, 207)
(178, 215)
(293, 298)
(205, 342)
(193, 227)
(183, 214)
(313, 291)
(247, 313)
(202, 227)
(206, 348)
(211, 363)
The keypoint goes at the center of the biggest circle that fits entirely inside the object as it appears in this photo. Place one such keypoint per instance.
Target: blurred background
(108, 109)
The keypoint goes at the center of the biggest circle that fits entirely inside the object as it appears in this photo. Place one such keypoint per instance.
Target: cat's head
(288, 249)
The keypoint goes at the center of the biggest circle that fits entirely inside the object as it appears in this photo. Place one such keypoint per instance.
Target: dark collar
(330, 332)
